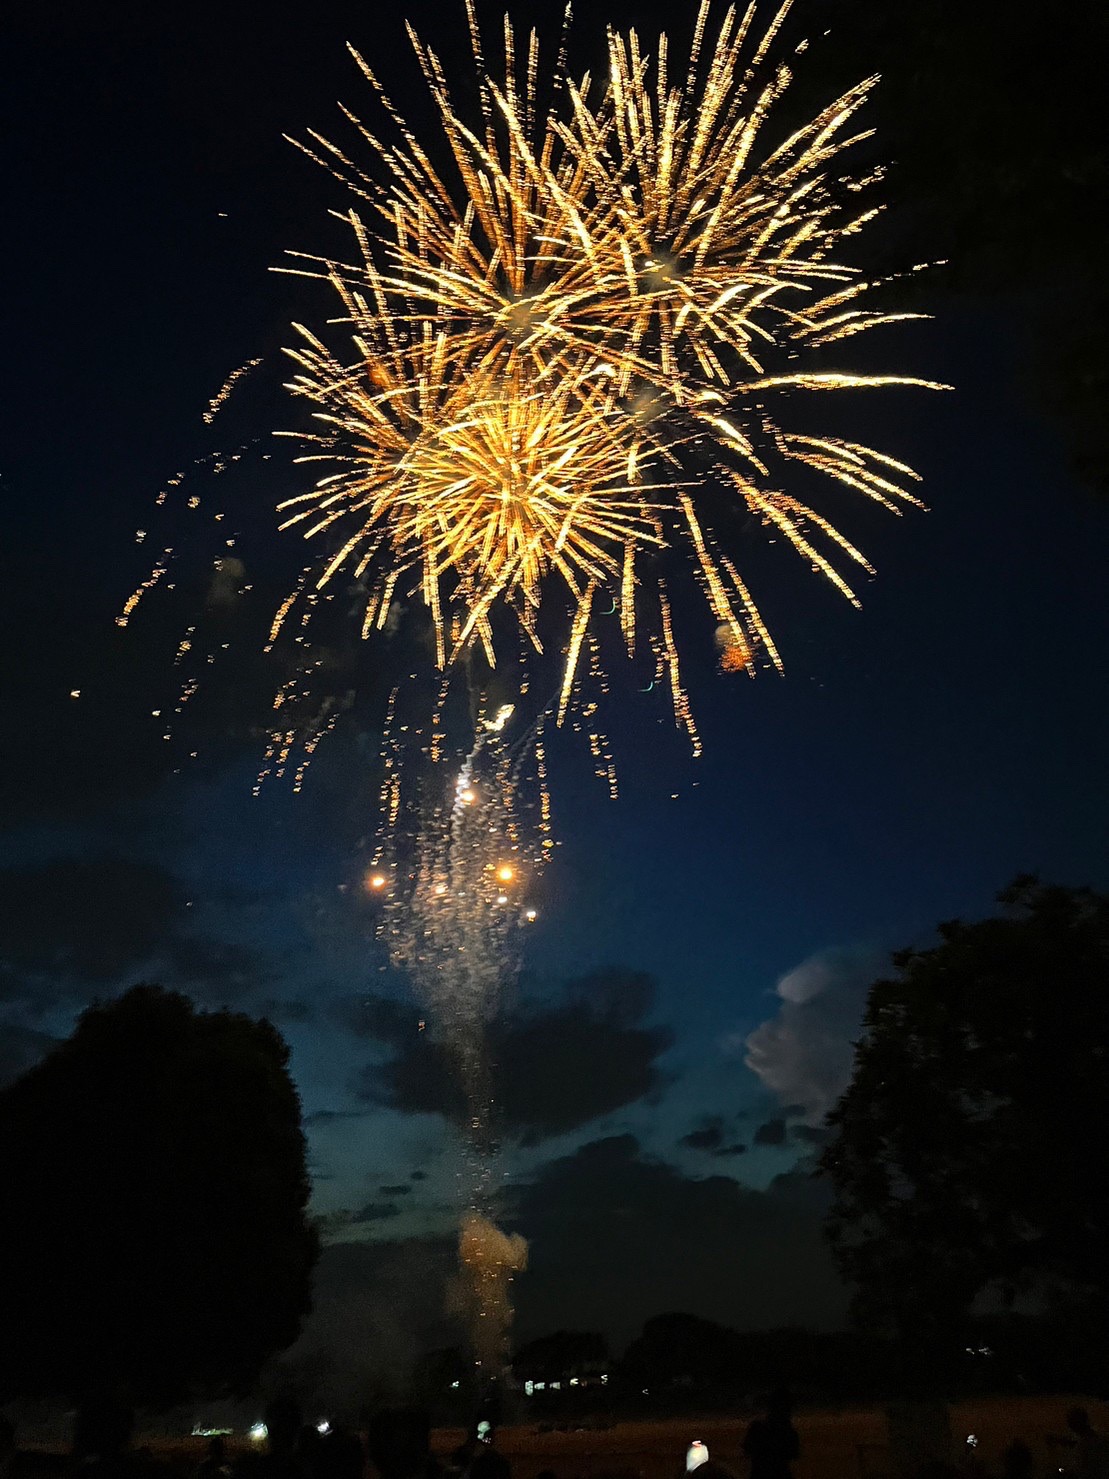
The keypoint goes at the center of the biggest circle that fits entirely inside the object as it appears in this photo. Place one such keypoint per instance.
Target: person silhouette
(1092, 1446)
(214, 1464)
(102, 1433)
(341, 1455)
(281, 1460)
(9, 1453)
(1016, 1461)
(486, 1462)
(399, 1444)
(771, 1443)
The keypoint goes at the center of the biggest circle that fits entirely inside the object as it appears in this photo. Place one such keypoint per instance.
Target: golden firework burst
(604, 312)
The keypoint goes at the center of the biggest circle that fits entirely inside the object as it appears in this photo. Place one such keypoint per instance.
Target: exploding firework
(564, 355)
(571, 364)
(485, 482)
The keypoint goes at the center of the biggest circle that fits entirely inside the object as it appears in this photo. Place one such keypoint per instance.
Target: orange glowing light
(378, 880)
(735, 658)
(506, 873)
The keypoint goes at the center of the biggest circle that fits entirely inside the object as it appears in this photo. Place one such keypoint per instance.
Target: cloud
(228, 575)
(331, 1116)
(86, 918)
(811, 1134)
(616, 1238)
(617, 996)
(773, 1132)
(401, 1189)
(376, 1212)
(74, 923)
(804, 1052)
(379, 1017)
(558, 1067)
(289, 1010)
(711, 1137)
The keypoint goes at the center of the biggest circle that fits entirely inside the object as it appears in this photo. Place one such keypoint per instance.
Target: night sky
(705, 942)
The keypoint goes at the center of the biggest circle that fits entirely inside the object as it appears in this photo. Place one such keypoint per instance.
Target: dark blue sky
(916, 756)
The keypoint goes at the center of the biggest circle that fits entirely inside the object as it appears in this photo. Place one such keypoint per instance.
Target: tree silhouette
(153, 1237)
(680, 1349)
(562, 1354)
(971, 1149)
(991, 120)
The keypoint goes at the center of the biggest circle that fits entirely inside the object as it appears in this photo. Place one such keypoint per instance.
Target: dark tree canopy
(153, 1187)
(990, 117)
(676, 1348)
(971, 1149)
(561, 1354)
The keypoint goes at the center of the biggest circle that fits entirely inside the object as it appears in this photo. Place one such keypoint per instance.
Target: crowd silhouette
(397, 1444)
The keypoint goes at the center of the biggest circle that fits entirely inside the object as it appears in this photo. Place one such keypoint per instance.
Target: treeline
(681, 1363)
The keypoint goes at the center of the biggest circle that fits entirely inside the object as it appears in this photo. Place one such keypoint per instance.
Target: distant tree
(970, 1152)
(153, 1238)
(1000, 166)
(678, 1349)
(562, 1354)
(444, 1379)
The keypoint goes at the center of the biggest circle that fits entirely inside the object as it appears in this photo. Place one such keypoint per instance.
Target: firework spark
(486, 485)
(562, 357)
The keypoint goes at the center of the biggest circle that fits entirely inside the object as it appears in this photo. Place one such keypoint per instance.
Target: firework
(566, 352)
(457, 887)
(571, 359)
(485, 485)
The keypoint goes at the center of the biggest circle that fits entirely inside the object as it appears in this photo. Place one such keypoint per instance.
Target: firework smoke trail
(488, 1258)
(456, 905)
